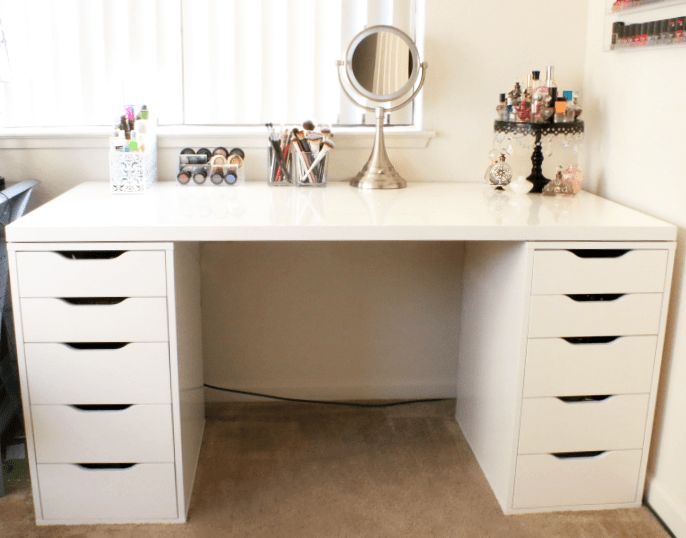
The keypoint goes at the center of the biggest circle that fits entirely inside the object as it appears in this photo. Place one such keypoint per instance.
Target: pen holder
(304, 174)
(132, 172)
(276, 176)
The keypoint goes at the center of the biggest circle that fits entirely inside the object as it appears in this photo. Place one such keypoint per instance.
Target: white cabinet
(557, 399)
(111, 436)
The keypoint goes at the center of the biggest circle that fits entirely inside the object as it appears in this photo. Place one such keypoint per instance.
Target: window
(198, 62)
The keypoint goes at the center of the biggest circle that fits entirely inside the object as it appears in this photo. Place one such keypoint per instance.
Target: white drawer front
(131, 320)
(629, 315)
(146, 491)
(555, 367)
(137, 373)
(545, 481)
(140, 433)
(126, 274)
(553, 425)
(563, 271)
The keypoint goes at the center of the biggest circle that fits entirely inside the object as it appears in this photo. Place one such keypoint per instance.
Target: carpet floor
(288, 470)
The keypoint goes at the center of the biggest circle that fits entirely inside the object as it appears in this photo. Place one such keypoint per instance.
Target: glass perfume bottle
(501, 109)
(499, 173)
(560, 110)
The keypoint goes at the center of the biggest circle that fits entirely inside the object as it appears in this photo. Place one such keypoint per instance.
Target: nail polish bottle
(617, 32)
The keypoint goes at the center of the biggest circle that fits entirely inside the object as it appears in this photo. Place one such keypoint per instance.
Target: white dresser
(563, 320)
(558, 371)
(114, 413)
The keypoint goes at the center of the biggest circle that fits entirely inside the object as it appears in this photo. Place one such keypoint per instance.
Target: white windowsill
(186, 135)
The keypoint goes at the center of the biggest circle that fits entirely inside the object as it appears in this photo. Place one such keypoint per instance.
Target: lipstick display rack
(538, 131)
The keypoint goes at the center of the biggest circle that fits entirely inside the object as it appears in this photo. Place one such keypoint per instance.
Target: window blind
(195, 62)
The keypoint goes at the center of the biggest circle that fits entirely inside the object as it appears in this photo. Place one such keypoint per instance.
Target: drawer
(139, 433)
(134, 373)
(626, 315)
(599, 271)
(146, 491)
(554, 425)
(126, 320)
(548, 481)
(92, 273)
(574, 367)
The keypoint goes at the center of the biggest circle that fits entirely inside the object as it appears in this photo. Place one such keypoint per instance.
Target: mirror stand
(379, 172)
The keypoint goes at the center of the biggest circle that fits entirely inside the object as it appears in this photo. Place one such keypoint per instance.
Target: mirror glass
(383, 64)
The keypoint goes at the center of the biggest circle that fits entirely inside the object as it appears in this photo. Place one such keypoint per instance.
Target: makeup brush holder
(304, 174)
(133, 172)
(276, 176)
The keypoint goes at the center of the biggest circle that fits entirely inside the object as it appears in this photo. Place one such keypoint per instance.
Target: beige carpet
(288, 470)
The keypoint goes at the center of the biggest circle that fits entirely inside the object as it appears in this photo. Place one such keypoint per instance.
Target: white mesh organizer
(132, 172)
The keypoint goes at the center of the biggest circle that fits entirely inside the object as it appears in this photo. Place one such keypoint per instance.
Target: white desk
(563, 317)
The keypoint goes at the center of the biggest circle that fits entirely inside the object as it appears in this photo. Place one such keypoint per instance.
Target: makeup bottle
(550, 77)
(560, 110)
(524, 108)
(539, 101)
(501, 109)
(569, 112)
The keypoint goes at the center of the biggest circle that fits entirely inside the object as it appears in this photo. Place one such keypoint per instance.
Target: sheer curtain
(249, 62)
(196, 62)
(76, 62)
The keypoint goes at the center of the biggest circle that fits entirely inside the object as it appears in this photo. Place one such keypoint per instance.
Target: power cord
(325, 402)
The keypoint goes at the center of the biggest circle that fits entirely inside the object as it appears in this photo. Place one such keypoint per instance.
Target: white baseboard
(339, 392)
(672, 513)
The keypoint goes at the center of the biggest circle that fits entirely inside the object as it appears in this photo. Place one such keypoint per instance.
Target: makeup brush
(327, 145)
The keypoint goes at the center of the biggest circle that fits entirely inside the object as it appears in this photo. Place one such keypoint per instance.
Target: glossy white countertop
(256, 212)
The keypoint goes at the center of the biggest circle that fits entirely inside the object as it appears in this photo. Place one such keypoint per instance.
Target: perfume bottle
(560, 110)
(524, 108)
(501, 109)
(499, 173)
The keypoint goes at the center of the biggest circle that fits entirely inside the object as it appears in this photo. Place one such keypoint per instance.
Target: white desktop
(564, 308)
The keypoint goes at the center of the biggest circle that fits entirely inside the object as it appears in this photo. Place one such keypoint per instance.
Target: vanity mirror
(383, 71)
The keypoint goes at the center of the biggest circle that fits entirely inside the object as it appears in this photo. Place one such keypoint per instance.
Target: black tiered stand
(538, 130)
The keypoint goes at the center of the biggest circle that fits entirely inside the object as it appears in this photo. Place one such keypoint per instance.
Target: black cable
(325, 402)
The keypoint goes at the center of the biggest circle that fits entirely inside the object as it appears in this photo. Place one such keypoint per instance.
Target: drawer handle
(93, 300)
(90, 254)
(599, 252)
(100, 466)
(577, 340)
(101, 407)
(586, 454)
(594, 297)
(96, 345)
(578, 399)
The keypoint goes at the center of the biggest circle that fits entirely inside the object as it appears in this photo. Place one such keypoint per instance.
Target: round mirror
(382, 63)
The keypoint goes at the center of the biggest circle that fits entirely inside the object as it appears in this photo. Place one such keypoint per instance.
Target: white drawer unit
(558, 272)
(100, 373)
(136, 319)
(107, 493)
(582, 423)
(103, 433)
(112, 436)
(550, 481)
(561, 367)
(92, 273)
(557, 398)
(595, 315)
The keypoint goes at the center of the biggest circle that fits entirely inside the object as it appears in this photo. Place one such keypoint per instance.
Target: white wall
(635, 136)
(475, 51)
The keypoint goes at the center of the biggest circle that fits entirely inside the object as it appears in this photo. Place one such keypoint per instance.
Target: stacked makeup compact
(220, 166)
(299, 156)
